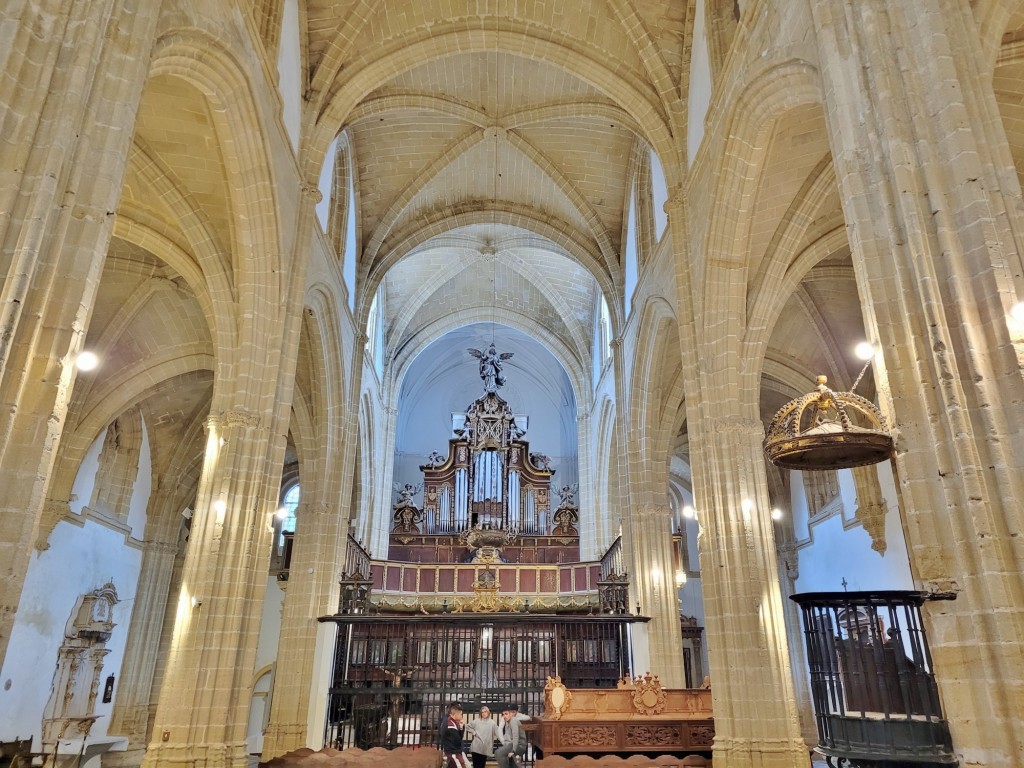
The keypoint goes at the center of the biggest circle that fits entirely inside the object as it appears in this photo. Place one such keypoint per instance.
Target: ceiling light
(865, 350)
(86, 361)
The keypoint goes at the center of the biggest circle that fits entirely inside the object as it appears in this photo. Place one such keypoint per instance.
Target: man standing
(451, 738)
(513, 737)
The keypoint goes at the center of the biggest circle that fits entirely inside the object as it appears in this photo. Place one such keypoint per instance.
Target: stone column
(202, 715)
(74, 71)
(933, 210)
(648, 548)
(756, 720)
(130, 716)
(789, 572)
(317, 557)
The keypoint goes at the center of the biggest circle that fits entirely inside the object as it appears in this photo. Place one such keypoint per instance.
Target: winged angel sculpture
(490, 367)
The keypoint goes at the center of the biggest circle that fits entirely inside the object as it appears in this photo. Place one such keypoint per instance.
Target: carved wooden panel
(702, 735)
(588, 736)
(653, 735)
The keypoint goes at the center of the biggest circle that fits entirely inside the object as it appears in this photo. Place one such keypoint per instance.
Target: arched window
(286, 515)
(289, 504)
(602, 338)
(375, 335)
(630, 249)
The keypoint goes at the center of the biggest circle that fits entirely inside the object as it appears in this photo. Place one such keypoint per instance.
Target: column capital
(232, 418)
(737, 424)
(676, 203)
(311, 191)
(652, 512)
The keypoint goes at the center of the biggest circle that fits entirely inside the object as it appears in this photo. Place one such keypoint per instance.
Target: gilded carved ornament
(557, 698)
(648, 695)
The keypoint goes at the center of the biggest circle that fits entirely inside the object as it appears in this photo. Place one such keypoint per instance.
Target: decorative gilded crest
(556, 698)
(486, 598)
(648, 695)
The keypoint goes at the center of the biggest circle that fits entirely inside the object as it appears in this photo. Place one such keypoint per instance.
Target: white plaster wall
(142, 489)
(325, 184)
(289, 62)
(82, 556)
(699, 95)
(836, 548)
(85, 480)
(630, 254)
(266, 654)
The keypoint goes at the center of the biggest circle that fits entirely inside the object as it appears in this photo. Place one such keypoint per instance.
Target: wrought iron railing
(872, 685)
(394, 677)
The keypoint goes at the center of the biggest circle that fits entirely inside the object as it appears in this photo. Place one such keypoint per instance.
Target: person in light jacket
(513, 737)
(484, 732)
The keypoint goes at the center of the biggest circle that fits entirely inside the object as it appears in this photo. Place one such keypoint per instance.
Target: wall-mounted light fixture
(680, 578)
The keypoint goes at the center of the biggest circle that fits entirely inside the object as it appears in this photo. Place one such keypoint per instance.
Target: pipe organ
(489, 478)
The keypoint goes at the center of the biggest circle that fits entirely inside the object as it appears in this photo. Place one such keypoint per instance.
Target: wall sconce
(776, 514)
(689, 513)
(1017, 311)
(747, 506)
(220, 507)
(108, 690)
(655, 575)
(680, 578)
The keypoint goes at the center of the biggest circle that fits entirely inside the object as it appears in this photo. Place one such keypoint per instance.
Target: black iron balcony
(874, 694)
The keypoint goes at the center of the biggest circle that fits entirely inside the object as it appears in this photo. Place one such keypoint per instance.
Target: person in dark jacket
(452, 731)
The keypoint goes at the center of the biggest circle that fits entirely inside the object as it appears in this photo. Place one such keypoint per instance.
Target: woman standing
(484, 732)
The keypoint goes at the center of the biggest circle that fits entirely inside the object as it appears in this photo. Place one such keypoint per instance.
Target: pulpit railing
(875, 699)
(612, 561)
(357, 558)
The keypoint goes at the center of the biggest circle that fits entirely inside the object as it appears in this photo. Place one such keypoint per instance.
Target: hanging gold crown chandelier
(827, 430)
